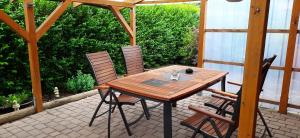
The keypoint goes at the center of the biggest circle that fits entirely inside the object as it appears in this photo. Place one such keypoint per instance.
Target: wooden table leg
(223, 83)
(167, 120)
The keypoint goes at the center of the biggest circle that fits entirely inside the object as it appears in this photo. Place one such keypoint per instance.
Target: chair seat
(195, 120)
(216, 103)
(126, 99)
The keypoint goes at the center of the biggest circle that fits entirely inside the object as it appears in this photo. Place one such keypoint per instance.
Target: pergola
(257, 29)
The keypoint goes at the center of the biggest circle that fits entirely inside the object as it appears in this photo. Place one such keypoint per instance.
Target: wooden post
(33, 55)
(201, 40)
(133, 26)
(257, 28)
(289, 60)
(121, 19)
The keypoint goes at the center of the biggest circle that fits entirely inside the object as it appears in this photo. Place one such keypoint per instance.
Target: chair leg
(194, 134)
(145, 108)
(122, 114)
(113, 109)
(96, 111)
(124, 120)
(264, 122)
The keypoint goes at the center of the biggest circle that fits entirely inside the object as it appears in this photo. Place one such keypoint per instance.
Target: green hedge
(165, 34)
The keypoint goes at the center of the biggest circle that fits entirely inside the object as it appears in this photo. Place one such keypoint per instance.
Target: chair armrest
(223, 97)
(210, 114)
(102, 87)
(234, 83)
(222, 93)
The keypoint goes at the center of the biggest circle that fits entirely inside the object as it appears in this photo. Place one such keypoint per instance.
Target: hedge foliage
(165, 34)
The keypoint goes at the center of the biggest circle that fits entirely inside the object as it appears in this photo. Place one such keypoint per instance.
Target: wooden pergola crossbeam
(118, 3)
(51, 19)
(289, 60)
(13, 25)
(116, 11)
(165, 1)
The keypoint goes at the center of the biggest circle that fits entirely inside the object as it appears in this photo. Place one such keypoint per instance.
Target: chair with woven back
(216, 125)
(103, 72)
(220, 102)
(135, 63)
(133, 60)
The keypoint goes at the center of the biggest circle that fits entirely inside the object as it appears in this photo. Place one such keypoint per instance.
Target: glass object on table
(175, 75)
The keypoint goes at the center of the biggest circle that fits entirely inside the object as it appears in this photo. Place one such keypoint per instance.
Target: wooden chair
(135, 63)
(223, 105)
(214, 125)
(133, 59)
(103, 72)
(217, 125)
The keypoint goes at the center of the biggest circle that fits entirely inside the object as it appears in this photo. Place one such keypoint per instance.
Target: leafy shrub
(165, 34)
(3, 101)
(80, 83)
(19, 97)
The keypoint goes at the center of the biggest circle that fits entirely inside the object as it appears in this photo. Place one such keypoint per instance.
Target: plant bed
(7, 109)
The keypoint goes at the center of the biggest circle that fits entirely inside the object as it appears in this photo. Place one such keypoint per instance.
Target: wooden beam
(76, 4)
(201, 39)
(277, 103)
(245, 30)
(289, 60)
(258, 22)
(33, 55)
(45, 26)
(13, 25)
(165, 1)
(118, 3)
(241, 64)
(121, 19)
(133, 26)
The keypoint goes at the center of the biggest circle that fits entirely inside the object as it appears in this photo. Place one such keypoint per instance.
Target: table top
(156, 84)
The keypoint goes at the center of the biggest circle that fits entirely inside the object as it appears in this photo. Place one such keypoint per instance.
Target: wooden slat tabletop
(156, 84)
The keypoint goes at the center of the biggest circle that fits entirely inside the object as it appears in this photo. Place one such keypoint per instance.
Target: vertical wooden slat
(33, 55)
(254, 54)
(289, 60)
(201, 39)
(133, 26)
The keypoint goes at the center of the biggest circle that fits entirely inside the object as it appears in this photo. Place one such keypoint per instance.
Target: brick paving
(71, 121)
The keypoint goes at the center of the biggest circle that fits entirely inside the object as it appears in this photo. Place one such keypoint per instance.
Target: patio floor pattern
(71, 120)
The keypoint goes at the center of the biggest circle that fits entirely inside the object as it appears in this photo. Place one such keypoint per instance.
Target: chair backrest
(236, 105)
(266, 69)
(133, 59)
(102, 66)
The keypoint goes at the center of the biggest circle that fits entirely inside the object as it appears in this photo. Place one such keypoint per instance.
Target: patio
(71, 120)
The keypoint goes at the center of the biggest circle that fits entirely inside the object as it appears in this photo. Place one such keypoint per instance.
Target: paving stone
(71, 121)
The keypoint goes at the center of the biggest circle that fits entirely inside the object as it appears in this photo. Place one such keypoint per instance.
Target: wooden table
(156, 85)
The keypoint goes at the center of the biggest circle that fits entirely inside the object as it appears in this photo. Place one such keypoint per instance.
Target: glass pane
(232, 46)
(294, 95)
(225, 46)
(227, 15)
(276, 44)
(280, 14)
(297, 53)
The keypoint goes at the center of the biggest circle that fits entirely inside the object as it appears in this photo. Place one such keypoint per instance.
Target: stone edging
(5, 118)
